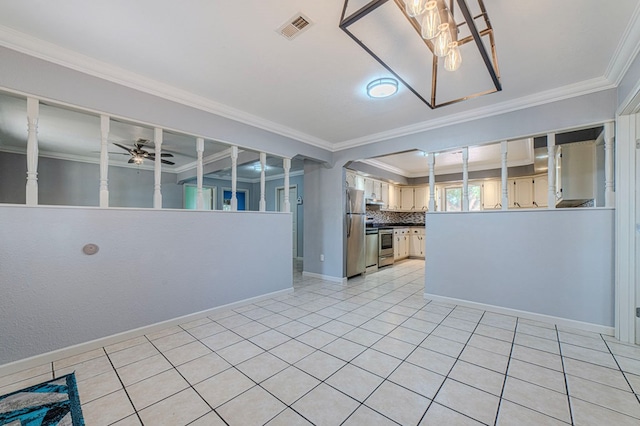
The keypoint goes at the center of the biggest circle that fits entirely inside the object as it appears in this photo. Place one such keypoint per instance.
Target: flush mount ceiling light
(382, 88)
(423, 43)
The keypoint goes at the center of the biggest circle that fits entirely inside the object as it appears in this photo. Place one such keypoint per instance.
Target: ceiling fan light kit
(138, 154)
(422, 43)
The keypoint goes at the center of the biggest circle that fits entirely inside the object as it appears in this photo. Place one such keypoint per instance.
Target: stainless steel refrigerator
(356, 219)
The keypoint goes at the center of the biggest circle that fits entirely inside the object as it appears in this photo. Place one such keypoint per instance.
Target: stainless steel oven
(385, 243)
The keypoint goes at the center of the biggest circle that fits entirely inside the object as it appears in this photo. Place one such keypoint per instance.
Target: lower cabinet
(401, 243)
(416, 244)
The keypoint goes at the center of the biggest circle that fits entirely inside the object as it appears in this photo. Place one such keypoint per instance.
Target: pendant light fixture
(430, 20)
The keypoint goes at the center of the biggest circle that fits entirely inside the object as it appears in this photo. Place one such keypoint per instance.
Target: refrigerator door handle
(348, 225)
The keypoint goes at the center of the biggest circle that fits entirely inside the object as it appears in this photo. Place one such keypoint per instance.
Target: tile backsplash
(382, 216)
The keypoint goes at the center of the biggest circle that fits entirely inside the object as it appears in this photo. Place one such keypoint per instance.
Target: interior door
(293, 197)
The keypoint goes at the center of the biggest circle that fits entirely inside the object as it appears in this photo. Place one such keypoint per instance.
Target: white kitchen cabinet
(368, 188)
(384, 194)
(400, 243)
(360, 182)
(541, 191)
(350, 177)
(394, 197)
(416, 242)
(491, 194)
(406, 198)
(521, 193)
(421, 198)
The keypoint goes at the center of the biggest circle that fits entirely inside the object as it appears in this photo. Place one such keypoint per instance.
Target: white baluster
(33, 111)
(609, 141)
(286, 163)
(104, 161)
(263, 164)
(157, 193)
(432, 181)
(234, 178)
(551, 170)
(465, 179)
(199, 195)
(504, 174)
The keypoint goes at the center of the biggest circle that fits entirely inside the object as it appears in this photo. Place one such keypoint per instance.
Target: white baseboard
(58, 354)
(341, 280)
(580, 325)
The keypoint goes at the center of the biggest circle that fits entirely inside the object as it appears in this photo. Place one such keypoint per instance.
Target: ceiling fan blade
(166, 154)
(168, 162)
(130, 161)
(123, 147)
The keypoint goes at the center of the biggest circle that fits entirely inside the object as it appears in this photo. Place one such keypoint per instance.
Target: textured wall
(153, 265)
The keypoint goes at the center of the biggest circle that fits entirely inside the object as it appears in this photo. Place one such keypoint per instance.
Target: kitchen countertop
(396, 225)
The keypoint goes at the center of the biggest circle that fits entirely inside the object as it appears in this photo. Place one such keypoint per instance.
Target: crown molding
(50, 52)
(626, 51)
(566, 92)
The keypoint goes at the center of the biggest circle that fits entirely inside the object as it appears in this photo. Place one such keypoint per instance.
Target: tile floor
(371, 352)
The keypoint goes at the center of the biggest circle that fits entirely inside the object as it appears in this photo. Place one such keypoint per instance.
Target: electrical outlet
(322, 258)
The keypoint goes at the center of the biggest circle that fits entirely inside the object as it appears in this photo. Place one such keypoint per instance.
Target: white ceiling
(227, 55)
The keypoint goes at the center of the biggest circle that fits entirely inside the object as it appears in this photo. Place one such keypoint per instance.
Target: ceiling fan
(138, 154)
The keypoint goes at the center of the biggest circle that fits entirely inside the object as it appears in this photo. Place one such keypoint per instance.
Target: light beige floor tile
(624, 349)
(288, 418)
(276, 320)
(269, 339)
(431, 360)
(408, 335)
(98, 386)
(344, 349)
(397, 403)
(195, 323)
(239, 352)
(444, 346)
(78, 359)
(156, 388)
(534, 330)
(363, 337)
(29, 373)
(478, 377)
(594, 342)
(292, 351)
(394, 347)
(25, 383)
(467, 400)
(586, 414)
(147, 367)
(107, 410)
(540, 376)
(457, 335)
(320, 365)
(538, 343)
(634, 381)
(538, 357)
(624, 402)
(458, 323)
(262, 367)
(490, 344)
(537, 398)
(203, 368)
(355, 382)
(606, 376)
(417, 379)
(294, 329)
(254, 407)
(133, 354)
(499, 320)
(314, 406)
(629, 365)
(338, 328)
(224, 386)
(495, 332)
(132, 420)
(313, 320)
(376, 362)
(125, 344)
(206, 330)
(173, 341)
(290, 384)
(421, 325)
(486, 359)
(232, 321)
(391, 318)
(211, 419)
(588, 355)
(250, 329)
(186, 353)
(87, 369)
(178, 409)
(437, 415)
(537, 323)
(257, 313)
(316, 338)
(366, 416)
(513, 414)
(221, 340)
(353, 319)
(164, 332)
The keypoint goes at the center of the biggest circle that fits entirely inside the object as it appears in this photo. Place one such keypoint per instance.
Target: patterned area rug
(52, 403)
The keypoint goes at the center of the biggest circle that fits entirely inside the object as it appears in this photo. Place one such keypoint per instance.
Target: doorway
(293, 196)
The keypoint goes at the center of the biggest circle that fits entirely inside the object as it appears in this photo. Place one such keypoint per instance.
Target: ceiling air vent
(294, 26)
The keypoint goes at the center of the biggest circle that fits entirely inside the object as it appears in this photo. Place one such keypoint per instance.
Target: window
(191, 197)
(453, 198)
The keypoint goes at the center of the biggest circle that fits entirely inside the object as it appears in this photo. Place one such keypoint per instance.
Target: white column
(234, 177)
(199, 195)
(551, 170)
(104, 161)
(432, 181)
(609, 193)
(504, 174)
(465, 179)
(157, 194)
(263, 164)
(33, 111)
(286, 163)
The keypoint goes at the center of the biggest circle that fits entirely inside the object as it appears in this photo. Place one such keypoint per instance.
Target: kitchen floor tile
(467, 400)
(108, 409)
(376, 362)
(385, 401)
(179, 409)
(438, 415)
(156, 388)
(292, 351)
(262, 367)
(320, 365)
(478, 377)
(540, 376)
(223, 387)
(315, 406)
(290, 384)
(355, 382)
(254, 407)
(537, 398)
(366, 416)
(624, 402)
(203, 368)
(514, 414)
(417, 379)
(587, 414)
